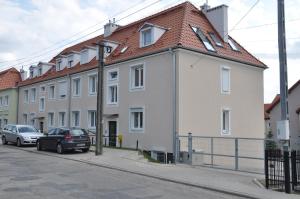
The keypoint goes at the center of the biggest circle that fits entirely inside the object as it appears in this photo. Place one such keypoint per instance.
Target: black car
(64, 139)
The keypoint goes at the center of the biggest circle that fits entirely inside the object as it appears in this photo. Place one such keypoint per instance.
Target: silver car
(20, 134)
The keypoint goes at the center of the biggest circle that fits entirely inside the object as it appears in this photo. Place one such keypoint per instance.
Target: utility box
(283, 130)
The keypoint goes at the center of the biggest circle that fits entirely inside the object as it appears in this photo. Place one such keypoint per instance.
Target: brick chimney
(23, 74)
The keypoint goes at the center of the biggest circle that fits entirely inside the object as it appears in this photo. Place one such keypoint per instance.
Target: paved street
(29, 175)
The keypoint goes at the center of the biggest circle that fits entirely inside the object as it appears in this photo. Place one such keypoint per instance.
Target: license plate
(80, 144)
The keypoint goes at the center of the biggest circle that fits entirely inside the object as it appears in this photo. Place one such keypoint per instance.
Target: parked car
(20, 134)
(64, 139)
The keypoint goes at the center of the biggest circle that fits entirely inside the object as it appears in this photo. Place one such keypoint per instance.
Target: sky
(37, 30)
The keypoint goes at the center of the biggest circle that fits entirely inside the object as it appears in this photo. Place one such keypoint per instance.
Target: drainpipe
(174, 101)
(69, 101)
(18, 101)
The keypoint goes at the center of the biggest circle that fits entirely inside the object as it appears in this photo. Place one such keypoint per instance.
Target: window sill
(136, 130)
(137, 89)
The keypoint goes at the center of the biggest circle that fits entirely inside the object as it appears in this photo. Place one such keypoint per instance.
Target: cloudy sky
(36, 30)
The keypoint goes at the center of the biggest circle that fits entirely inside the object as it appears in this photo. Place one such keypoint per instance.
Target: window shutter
(62, 89)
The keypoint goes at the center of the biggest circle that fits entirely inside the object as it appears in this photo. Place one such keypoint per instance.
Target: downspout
(174, 101)
(18, 101)
(69, 102)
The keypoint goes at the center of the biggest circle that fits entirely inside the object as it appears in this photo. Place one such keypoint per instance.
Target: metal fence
(234, 153)
(111, 141)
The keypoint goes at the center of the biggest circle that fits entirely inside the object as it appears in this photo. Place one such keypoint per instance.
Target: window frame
(49, 89)
(26, 97)
(223, 132)
(53, 119)
(33, 100)
(74, 94)
(142, 31)
(72, 117)
(108, 96)
(132, 87)
(203, 38)
(89, 84)
(42, 110)
(233, 45)
(215, 38)
(109, 79)
(59, 118)
(223, 91)
(89, 116)
(131, 111)
(67, 87)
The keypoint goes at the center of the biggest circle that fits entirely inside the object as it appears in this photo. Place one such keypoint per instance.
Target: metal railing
(234, 153)
(111, 141)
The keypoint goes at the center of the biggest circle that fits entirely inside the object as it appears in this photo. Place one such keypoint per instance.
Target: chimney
(110, 27)
(23, 74)
(218, 17)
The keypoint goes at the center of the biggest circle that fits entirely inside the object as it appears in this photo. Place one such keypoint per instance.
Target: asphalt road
(25, 175)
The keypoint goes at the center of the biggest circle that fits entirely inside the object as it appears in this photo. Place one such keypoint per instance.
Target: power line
(245, 15)
(67, 38)
(44, 53)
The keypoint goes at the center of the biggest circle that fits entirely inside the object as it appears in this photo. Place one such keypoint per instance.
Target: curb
(107, 166)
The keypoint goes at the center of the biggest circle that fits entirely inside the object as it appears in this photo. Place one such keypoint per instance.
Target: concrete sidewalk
(237, 183)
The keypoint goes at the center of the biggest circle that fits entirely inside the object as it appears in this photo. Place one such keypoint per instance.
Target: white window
(146, 37)
(40, 71)
(51, 93)
(112, 95)
(58, 65)
(92, 84)
(42, 104)
(113, 75)
(62, 89)
(5, 103)
(76, 87)
(70, 61)
(25, 118)
(26, 96)
(225, 80)
(33, 94)
(75, 118)
(137, 77)
(84, 56)
(50, 119)
(225, 122)
(137, 119)
(62, 119)
(92, 119)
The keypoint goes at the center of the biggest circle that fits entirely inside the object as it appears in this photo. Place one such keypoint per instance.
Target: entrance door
(112, 130)
(42, 127)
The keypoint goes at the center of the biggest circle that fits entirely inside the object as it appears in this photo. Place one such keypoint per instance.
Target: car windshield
(27, 129)
(77, 132)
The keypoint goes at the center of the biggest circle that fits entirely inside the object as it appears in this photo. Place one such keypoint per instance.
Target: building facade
(294, 119)
(9, 96)
(171, 73)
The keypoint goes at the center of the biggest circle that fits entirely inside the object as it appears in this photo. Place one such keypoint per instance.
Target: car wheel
(85, 150)
(4, 140)
(59, 149)
(38, 146)
(19, 144)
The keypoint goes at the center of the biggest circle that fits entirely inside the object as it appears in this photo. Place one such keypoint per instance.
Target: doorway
(112, 132)
(42, 127)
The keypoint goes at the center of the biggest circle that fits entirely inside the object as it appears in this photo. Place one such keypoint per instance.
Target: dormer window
(84, 56)
(203, 38)
(124, 49)
(70, 61)
(58, 65)
(40, 72)
(31, 74)
(146, 36)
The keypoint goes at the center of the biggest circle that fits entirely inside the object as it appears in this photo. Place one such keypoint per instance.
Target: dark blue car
(64, 139)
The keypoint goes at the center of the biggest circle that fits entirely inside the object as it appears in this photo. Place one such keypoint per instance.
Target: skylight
(203, 38)
(232, 45)
(215, 39)
(124, 49)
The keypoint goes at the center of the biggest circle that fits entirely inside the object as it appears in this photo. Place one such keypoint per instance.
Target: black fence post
(137, 144)
(267, 168)
(294, 169)
(287, 182)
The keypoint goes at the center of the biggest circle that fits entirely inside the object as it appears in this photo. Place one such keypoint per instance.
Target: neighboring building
(267, 119)
(9, 96)
(294, 119)
(176, 71)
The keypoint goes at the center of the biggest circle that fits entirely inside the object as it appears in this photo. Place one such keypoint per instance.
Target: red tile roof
(9, 78)
(276, 100)
(177, 20)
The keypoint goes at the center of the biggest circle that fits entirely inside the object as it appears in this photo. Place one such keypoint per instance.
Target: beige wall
(294, 103)
(200, 99)
(9, 112)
